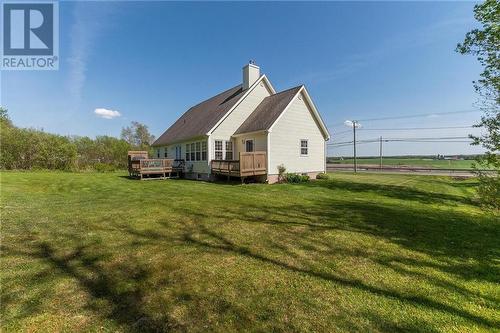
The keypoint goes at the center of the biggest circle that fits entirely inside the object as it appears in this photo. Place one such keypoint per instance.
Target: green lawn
(367, 253)
(413, 162)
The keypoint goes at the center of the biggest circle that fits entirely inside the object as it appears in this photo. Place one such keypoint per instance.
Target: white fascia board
(262, 78)
(249, 133)
(320, 121)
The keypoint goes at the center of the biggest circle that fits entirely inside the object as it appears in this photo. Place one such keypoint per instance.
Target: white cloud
(106, 114)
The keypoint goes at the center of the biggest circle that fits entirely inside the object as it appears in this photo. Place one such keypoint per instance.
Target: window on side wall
(158, 153)
(304, 147)
(165, 153)
(178, 154)
(187, 152)
(193, 152)
(198, 151)
(203, 150)
(229, 150)
(218, 149)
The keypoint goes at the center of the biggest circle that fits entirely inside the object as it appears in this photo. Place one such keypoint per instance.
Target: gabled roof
(201, 118)
(268, 111)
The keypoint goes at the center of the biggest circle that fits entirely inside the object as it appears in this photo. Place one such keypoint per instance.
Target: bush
(281, 172)
(322, 176)
(295, 178)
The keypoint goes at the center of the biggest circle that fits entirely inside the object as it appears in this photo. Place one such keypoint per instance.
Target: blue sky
(151, 61)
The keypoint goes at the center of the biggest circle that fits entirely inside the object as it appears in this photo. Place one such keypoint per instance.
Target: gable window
(218, 149)
(249, 146)
(198, 151)
(304, 147)
(193, 152)
(187, 152)
(203, 150)
(229, 150)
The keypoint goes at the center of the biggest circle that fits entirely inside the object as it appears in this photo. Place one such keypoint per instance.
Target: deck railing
(249, 164)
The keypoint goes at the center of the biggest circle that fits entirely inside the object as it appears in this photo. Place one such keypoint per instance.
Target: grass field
(413, 162)
(368, 253)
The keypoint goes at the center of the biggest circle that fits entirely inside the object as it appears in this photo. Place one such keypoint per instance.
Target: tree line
(28, 148)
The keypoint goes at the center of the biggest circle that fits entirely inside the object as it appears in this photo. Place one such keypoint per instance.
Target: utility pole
(380, 152)
(354, 141)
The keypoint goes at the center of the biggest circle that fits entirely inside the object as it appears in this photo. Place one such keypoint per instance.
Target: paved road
(401, 170)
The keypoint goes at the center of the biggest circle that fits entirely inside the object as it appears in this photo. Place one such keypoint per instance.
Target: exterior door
(249, 146)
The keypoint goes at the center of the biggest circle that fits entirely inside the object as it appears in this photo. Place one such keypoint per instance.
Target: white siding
(259, 142)
(241, 112)
(295, 124)
(198, 166)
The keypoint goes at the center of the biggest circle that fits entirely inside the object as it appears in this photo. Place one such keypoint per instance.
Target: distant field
(416, 162)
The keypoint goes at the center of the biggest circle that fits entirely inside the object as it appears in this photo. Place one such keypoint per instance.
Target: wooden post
(354, 141)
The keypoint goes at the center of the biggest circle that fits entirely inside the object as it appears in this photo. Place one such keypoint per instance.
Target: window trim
(228, 150)
(198, 150)
(193, 152)
(306, 147)
(221, 150)
(204, 154)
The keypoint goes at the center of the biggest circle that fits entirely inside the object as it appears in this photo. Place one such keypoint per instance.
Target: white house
(247, 130)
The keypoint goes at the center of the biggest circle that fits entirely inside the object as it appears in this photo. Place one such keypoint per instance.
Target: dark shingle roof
(201, 118)
(266, 113)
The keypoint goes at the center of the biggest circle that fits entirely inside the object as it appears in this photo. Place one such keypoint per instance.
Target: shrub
(281, 172)
(322, 176)
(295, 178)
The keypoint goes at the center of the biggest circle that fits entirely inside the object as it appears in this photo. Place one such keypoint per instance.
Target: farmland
(410, 162)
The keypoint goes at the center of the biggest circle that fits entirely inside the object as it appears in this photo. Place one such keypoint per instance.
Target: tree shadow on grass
(124, 305)
(203, 237)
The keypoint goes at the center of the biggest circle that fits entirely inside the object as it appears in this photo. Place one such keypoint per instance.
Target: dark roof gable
(201, 118)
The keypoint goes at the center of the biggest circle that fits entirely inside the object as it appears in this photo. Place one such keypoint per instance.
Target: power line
(414, 128)
(424, 139)
(413, 116)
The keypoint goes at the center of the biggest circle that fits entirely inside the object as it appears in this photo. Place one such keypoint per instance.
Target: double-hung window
(229, 150)
(198, 151)
(304, 147)
(218, 149)
(188, 152)
(178, 154)
(193, 152)
(165, 152)
(158, 153)
(203, 150)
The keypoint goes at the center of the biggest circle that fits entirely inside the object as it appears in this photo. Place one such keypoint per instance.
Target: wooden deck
(249, 164)
(139, 166)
